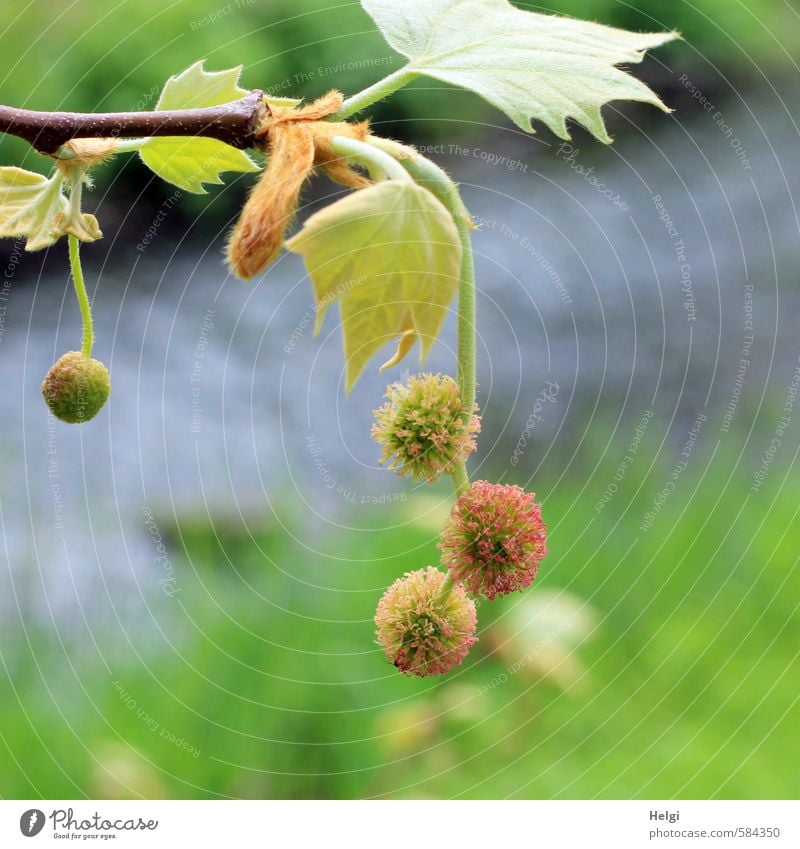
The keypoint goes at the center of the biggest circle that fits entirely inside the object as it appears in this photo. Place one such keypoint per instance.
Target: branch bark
(234, 123)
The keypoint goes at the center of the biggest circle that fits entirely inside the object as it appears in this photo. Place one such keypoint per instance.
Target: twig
(234, 123)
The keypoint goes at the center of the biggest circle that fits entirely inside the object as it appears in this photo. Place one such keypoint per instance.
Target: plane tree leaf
(389, 256)
(189, 162)
(532, 66)
(35, 208)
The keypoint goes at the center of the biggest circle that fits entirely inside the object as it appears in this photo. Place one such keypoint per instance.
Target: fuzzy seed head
(76, 388)
(424, 429)
(494, 539)
(422, 630)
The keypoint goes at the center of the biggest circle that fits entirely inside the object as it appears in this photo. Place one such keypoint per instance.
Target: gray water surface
(630, 296)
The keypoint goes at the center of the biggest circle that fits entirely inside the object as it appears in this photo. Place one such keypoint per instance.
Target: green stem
(83, 299)
(460, 479)
(467, 358)
(447, 585)
(129, 145)
(368, 155)
(377, 91)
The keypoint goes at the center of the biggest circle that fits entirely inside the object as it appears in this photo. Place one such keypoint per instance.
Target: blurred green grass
(264, 663)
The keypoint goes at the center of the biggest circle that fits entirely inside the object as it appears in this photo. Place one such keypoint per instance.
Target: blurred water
(631, 296)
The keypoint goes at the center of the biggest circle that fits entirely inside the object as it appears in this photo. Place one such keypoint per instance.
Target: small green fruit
(76, 388)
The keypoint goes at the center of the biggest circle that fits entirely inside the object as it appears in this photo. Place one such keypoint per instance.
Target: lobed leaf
(34, 207)
(195, 87)
(527, 64)
(190, 162)
(390, 256)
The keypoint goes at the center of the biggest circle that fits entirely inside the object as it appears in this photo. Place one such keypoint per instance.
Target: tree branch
(234, 123)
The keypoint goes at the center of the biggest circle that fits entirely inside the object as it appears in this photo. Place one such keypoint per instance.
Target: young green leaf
(282, 102)
(529, 65)
(390, 255)
(196, 87)
(190, 162)
(35, 207)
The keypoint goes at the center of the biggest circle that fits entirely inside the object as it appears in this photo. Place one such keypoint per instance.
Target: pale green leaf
(390, 256)
(195, 87)
(31, 206)
(189, 162)
(282, 102)
(529, 65)
(35, 208)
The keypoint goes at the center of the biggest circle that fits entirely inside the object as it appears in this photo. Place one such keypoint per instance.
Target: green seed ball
(76, 388)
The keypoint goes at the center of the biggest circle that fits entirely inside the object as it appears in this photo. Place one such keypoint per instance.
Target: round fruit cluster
(76, 387)
(491, 543)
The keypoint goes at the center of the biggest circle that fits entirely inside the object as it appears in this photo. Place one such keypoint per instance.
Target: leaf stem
(87, 339)
(467, 365)
(378, 91)
(369, 155)
(129, 145)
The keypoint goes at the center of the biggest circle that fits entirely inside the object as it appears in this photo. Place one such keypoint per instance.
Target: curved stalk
(370, 156)
(467, 357)
(87, 339)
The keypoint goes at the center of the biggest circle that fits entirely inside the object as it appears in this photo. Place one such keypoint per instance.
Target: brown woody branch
(234, 123)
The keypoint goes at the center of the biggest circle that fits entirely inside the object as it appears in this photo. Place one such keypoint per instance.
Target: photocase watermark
(530, 248)
(569, 154)
(349, 495)
(66, 826)
(547, 396)
(719, 119)
(168, 582)
(152, 723)
(626, 462)
(496, 160)
(206, 327)
(5, 283)
(323, 71)
(53, 474)
(299, 331)
(310, 315)
(203, 173)
(743, 366)
(678, 245)
(529, 657)
(771, 452)
(680, 467)
(161, 216)
(147, 98)
(31, 822)
(219, 14)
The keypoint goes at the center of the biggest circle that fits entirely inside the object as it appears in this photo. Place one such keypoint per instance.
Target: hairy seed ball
(76, 388)
(494, 539)
(424, 428)
(423, 630)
